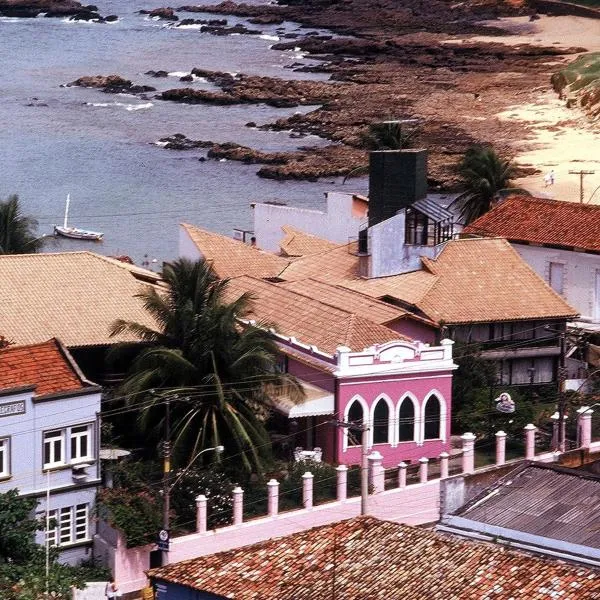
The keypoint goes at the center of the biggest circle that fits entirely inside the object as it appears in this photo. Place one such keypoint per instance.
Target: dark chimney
(397, 178)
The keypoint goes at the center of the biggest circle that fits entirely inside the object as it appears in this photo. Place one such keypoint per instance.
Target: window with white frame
(81, 437)
(68, 525)
(355, 416)
(381, 423)
(432, 429)
(5, 457)
(54, 448)
(406, 421)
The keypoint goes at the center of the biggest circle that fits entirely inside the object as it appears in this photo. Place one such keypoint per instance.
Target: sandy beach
(557, 138)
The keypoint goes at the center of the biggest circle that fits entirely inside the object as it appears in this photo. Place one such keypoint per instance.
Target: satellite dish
(504, 403)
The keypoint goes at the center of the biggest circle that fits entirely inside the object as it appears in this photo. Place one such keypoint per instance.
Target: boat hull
(78, 234)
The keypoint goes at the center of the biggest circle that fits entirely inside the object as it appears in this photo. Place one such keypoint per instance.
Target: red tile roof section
(44, 365)
(367, 559)
(542, 221)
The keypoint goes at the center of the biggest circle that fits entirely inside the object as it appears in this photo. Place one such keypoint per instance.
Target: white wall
(336, 224)
(187, 248)
(389, 255)
(579, 274)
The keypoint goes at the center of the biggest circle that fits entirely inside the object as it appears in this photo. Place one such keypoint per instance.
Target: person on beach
(549, 178)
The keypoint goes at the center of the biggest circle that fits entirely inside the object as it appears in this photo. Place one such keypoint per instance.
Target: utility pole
(562, 399)
(581, 174)
(166, 474)
(364, 462)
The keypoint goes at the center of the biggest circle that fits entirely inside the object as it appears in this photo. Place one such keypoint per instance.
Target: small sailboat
(74, 232)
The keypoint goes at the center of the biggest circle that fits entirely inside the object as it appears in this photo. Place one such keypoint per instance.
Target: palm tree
(17, 231)
(222, 374)
(484, 175)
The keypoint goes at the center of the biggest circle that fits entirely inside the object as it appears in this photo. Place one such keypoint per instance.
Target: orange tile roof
(308, 320)
(231, 258)
(542, 221)
(346, 299)
(483, 279)
(74, 296)
(330, 266)
(47, 366)
(364, 558)
(298, 243)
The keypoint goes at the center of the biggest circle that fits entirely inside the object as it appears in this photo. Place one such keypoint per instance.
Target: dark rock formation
(51, 8)
(111, 84)
(166, 13)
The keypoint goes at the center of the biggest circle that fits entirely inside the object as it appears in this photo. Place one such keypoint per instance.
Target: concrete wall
(187, 248)
(579, 278)
(338, 223)
(415, 330)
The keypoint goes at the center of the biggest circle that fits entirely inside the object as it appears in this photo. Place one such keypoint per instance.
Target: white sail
(67, 210)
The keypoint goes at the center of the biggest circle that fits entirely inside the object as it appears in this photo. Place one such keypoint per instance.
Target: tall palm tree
(484, 175)
(222, 374)
(17, 231)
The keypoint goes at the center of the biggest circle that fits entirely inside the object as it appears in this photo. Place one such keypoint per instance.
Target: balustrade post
(201, 520)
(500, 447)
(423, 470)
(402, 475)
(273, 497)
(468, 459)
(307, 490)
(584, 423)
(238, 505)
(530, 441)
(376, 472)
(342, 482)
(444, 465)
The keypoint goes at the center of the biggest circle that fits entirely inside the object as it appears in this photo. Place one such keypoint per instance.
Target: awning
(318, 402)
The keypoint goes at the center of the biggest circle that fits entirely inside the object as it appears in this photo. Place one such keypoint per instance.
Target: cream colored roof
(308, 320)
(231, 258)
(331, 266)
(299, 243)
(74, 296)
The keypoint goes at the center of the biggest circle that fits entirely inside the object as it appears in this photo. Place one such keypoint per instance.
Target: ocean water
(101, 148)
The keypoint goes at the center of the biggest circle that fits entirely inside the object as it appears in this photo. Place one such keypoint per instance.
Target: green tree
(23, 562)
(17, 231)
(484, 174)
(222, 374)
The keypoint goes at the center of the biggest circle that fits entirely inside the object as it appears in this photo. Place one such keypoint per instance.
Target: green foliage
(215, 485)
(23, 562)
(136, 513)
(484, 174)
(579, 74)
(17, 231)
(221, 376)
(389, 135)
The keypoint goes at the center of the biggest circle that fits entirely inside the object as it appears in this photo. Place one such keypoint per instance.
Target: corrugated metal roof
(432, 209)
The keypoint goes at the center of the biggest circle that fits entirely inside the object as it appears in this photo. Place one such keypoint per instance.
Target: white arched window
(434, 417)
(407, 414)
(381, 422)
(356, 412)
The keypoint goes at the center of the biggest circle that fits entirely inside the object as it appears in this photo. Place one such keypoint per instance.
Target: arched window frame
(443, 413)
(408, 397)
(365, 407)
(391, 419)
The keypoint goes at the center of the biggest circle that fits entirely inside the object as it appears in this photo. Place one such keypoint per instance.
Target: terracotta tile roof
(74, 296)
(308, 320)
(542, 221)
(298, 243)
(47, 366)
(231, 258)
(481, 280)
(367, 559)
(334, 265)
(355, 302)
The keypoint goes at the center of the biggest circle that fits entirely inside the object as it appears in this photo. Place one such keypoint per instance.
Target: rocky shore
(52, 8)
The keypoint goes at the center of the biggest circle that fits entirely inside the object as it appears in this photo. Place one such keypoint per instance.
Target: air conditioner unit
(238, 235)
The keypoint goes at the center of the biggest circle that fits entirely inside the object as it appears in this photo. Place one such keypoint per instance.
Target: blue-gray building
(49, 442)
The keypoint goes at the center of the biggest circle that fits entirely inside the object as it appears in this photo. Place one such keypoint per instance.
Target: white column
(530, 441)
(342, 482)
(307, 490)
(500, 447)
(238, 505)
(444, 465)
(273, 497)
(584, 422)
(423, 470)
(402, 475)
(468, 459)
(376, 472)
(201, 521)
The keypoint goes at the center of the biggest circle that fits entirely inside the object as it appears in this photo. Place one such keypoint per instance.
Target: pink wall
(396, 387)
(311, 375)
(415, 330)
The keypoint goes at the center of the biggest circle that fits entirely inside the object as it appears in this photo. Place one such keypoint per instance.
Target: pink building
(355, 370)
